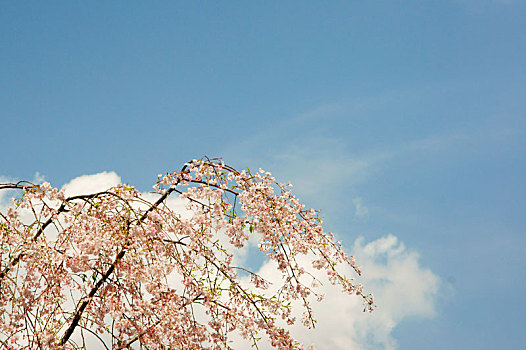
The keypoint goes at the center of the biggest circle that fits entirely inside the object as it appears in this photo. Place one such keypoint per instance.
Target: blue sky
(393, 117)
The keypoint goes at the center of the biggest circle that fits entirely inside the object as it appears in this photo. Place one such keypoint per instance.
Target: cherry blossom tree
(130, 272)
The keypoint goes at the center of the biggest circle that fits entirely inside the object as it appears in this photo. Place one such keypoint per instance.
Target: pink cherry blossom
(118, 268)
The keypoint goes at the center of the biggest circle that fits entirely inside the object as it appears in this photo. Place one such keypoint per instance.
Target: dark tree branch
(95, 289)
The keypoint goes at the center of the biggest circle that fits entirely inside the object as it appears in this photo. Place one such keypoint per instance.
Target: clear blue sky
(413, 110)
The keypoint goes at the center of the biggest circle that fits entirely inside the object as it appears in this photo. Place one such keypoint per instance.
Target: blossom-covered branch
(133, 270)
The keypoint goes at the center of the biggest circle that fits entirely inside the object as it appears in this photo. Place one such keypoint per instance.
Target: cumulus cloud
(403, 289)
(87, 184)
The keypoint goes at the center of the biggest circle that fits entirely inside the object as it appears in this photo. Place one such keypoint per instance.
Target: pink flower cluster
(114, 267)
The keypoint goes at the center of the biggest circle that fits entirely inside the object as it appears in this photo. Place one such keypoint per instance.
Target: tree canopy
(130, 270)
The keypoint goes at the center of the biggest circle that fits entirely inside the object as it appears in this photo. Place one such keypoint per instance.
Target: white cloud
(87, 184)
(4, 194)
(323, 150)
(360, 209)
(7, 195)
(320, 167)
(402, 288)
